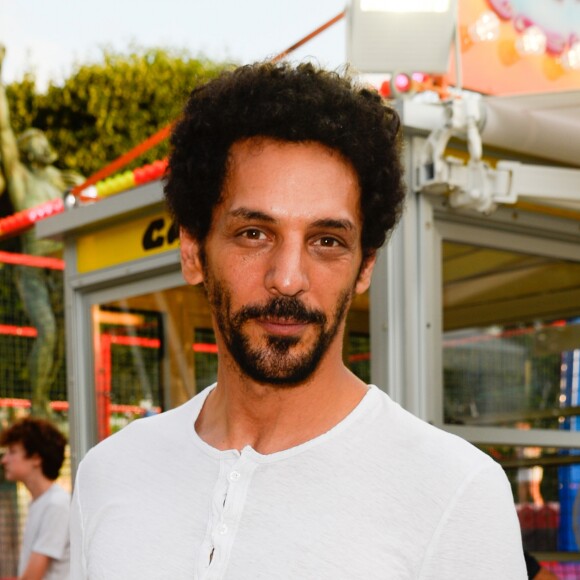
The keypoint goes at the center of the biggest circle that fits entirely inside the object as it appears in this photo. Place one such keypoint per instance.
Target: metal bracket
(476, 184)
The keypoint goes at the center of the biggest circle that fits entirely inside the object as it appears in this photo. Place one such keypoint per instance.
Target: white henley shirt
(382, 495)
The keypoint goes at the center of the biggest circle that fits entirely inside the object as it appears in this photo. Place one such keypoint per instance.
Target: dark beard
(275, 364)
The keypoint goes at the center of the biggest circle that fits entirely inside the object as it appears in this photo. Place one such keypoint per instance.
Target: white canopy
(544, 125)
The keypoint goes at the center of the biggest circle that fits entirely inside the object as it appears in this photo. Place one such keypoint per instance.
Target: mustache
(281, 307)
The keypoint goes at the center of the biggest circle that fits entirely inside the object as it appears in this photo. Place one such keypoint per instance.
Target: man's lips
(282, 326)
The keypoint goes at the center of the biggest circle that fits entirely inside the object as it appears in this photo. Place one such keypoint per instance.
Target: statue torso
(40, 186)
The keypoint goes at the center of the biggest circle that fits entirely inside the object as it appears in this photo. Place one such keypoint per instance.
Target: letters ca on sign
(160, 232)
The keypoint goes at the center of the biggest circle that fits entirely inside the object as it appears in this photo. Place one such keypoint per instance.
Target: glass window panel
(205, 356)
(511, 336)
(359, 355)
(545, 483)
(357, 344)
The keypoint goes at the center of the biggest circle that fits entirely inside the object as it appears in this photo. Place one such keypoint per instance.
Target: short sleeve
(478, 536)
(52, 539)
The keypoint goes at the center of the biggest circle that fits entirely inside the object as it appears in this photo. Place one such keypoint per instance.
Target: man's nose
(287, 269)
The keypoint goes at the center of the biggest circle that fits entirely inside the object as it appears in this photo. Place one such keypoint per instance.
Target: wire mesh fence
(32, 378)
(32, 361)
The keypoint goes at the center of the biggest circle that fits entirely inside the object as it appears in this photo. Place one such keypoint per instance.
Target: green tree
(104, 109)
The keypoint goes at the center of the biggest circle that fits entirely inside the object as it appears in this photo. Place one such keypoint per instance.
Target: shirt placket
(228, 502)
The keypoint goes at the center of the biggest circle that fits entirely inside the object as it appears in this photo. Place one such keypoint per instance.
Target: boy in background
(34, 455)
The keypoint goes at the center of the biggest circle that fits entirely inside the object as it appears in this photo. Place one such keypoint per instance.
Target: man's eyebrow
(257, 215)
(334, 224)
(251, 214)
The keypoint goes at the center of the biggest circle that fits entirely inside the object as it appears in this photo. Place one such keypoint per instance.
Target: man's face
(17, 465)
(283, 258)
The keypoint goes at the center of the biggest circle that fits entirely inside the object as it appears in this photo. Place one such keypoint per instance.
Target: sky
(48, 37)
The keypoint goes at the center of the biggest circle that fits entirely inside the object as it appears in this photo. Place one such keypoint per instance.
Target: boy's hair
(287, 103)
(38, 437)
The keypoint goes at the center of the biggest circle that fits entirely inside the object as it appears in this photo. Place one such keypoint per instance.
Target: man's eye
(253, 234)
(328, 242)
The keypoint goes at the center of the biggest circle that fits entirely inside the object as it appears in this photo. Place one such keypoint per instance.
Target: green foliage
(104, 109)
(101, 111)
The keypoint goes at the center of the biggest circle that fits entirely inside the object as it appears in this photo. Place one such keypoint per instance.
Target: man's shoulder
(147, 434)
(426, 444)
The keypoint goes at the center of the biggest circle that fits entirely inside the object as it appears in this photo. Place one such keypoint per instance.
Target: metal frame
(519, 242)
(505, 229)
(406, 298)
(83, 290)
(143, 276)
(476, 184)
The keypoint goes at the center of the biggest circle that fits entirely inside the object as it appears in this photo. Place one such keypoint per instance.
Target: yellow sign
(125, 242)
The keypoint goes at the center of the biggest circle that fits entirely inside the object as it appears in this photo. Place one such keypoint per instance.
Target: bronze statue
(30, 180)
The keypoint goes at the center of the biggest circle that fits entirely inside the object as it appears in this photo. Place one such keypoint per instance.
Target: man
(31, 179)
(34, 456)
(285, 182)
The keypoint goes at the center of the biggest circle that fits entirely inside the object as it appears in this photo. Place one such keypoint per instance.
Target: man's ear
(191, 264)
(366, 271)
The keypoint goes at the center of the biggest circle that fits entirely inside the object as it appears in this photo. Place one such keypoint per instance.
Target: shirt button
(235, 475)
(222, 529)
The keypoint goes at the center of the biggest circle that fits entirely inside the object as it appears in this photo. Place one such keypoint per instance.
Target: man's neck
(271, 418)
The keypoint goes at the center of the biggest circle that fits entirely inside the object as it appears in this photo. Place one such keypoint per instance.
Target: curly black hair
(289, 103)
(38, 437)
